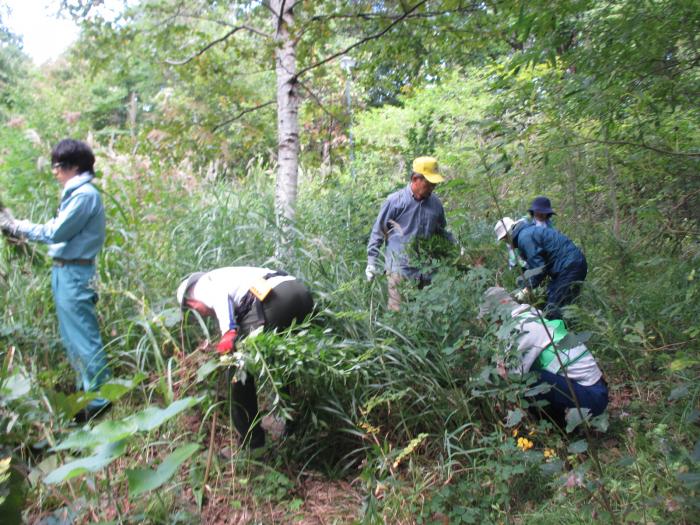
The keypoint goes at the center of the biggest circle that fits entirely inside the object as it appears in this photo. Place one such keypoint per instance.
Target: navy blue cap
(541, 205)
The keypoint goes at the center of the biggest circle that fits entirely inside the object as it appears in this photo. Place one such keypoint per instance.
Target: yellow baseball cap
(428, 167)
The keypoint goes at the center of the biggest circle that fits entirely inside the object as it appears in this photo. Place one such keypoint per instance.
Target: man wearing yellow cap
(410, 212)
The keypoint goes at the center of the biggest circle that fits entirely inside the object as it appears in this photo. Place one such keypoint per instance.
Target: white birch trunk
(287, 115)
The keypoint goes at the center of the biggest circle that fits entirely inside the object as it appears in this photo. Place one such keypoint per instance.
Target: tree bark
(288, 101)
(132, 110)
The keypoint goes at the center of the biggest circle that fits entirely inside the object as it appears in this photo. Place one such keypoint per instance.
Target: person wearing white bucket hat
(552, 251)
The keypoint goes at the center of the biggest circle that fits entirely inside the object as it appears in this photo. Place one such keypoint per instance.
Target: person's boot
(256, 438)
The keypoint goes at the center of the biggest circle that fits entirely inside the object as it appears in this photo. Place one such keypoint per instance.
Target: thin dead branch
(634, 145)
(359, 42)
(215, 42)
(243, 112)
(318, 101)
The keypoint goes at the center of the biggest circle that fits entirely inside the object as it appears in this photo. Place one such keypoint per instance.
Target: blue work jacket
(78, 230)
(545, 247)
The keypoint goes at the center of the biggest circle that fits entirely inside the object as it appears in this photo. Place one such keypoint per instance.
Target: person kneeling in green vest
(536, 351)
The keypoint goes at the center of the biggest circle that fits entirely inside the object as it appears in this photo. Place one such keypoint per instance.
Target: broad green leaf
(153, 417)
(678, 393)
(116, 430)
(106, 432)
(42, 469)
(536, 390)
(116, 388)
(572, 340)
(143, 480)
(578, 447)
(574, 418)
(68, 405)
(514, 417)
(552, 467)
(15, 386)
(102, 457)
(601, 422)
(206, 369)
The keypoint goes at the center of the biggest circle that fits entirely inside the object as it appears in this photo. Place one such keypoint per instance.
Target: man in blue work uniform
(408, 213)
(555, 253)
(75, 237)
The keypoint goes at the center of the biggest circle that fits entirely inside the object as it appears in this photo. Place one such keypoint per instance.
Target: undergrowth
(406, 406)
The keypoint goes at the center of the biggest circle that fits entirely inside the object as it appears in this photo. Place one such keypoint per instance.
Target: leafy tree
(299, 39)
(13, 66)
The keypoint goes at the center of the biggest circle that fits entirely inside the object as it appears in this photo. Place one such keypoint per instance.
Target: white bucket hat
(503, 227)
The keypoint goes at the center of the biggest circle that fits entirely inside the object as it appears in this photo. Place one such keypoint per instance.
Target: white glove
(521, 295)
(7, 221)
(371, 272)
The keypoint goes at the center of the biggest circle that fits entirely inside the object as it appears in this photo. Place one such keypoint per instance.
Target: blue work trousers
(594, 397)
(565, 288)
(77, 322)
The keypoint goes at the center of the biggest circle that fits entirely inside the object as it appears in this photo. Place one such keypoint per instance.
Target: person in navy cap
(541, 212)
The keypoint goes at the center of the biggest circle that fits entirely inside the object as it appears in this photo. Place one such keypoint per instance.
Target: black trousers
(565, 288)
(288, 302)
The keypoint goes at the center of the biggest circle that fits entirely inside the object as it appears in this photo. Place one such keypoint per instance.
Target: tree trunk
(287, 114)
(612, 192)
(132, 110)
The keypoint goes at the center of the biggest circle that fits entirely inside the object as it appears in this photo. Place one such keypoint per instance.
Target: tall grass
(408, 401)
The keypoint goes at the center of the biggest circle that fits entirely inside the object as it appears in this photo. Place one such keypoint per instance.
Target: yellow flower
(370, 429)
(525, 444)
(515, 432)
(549, 453)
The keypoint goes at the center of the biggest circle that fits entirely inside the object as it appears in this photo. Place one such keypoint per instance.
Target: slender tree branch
(209, 19)
(280, 15)
(359, 42)
(318, 101)
(634, 145)
(243, 112)
(267, 6)
(383, 16)
(380, 16)
(214, 42)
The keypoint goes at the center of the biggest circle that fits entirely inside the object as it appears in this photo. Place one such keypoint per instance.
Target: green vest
(557, 330)
(547, 360)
